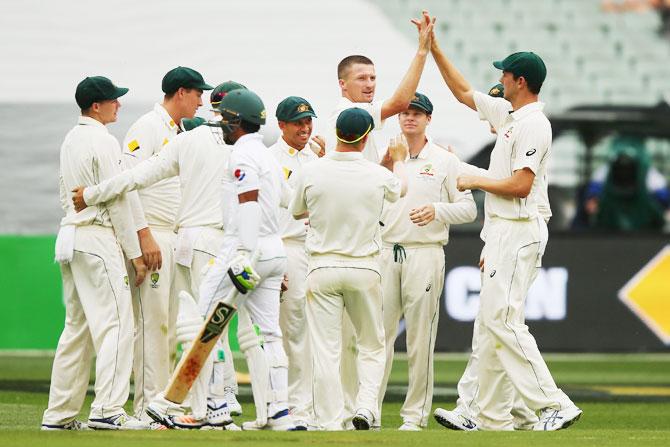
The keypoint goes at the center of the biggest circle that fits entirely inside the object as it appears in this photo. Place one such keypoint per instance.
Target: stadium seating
(592, 56)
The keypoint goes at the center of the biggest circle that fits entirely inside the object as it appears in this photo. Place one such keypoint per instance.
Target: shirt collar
(423, 155)
(248, 137)
(165, 117)
(88, 121)
(345, 156)
(526, 110)
(292, 152)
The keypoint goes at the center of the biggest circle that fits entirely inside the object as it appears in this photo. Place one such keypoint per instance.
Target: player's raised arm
(458, 85)
(405, 91)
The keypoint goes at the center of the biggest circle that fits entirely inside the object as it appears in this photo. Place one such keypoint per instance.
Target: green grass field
(625, 398)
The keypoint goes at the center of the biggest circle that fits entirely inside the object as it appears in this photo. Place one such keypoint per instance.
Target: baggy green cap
(183, 77)
(526, 64)
(96, 89)
(192, 123)
(421, 101)
(353, 125)
(294, 108)
(497, 91)
(222, 89)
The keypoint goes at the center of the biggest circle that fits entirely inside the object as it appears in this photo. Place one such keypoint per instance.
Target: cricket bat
(193, 360)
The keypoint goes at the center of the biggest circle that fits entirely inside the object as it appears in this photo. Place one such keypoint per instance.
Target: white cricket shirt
(147, 137)
(431, 179)
(371, 151)
(344, 194)
(523, 141)
(252, 167)
(292, 161)
(89, 155)
(200, 159)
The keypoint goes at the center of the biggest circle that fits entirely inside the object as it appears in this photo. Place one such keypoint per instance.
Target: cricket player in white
(415, 231)
(95, 283)
(292, 151)
(199, 158)
(358, 80)
(257, 180)
(343, 194)
(154, 305)
(515, 235)
(464, 416)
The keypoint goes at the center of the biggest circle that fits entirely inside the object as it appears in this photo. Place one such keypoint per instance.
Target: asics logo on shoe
(467, 423)
(552, 420)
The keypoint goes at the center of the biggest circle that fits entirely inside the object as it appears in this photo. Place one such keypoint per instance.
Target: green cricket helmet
(241, 105)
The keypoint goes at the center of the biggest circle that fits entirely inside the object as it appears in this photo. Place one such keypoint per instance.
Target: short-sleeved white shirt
(371, 151)
(146, 137)
(252, 167)
(523, 141)
(344, 195)
(291, 161)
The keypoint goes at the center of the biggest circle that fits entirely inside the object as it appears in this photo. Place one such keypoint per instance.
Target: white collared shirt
(200, 159)
(291, 161)
(89, 155)
(431, 179)
(523, 141)
(344, 194)
(371, 151)
(252, 167)
(147, 137)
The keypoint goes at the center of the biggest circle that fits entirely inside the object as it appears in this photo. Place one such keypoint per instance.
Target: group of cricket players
(322, 244)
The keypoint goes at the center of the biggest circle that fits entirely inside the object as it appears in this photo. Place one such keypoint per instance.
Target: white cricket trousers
(468, 387)
(509, 355)
(293, 323)
(412, 281)
(155, 309)
(332, 292)
(98, 321)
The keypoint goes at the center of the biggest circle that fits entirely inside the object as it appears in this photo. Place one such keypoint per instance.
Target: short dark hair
(532, 87)
(348, 61)
(249, 127)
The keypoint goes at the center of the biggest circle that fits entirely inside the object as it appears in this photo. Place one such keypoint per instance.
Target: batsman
(260, 191)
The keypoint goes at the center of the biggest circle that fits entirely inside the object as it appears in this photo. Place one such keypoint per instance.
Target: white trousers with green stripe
(98, 322)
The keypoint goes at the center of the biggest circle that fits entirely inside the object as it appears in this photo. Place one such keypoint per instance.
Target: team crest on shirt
(239, 174)
(508, 134)
(427, 170)
(154, 280)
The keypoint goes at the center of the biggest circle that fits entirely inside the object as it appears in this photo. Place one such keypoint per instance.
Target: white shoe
(409, 426)
(119, 421)
(280, 421)
(454, 420)
(218, 415)
(233, 405)
(363, 419)
(552, 419)
(72, 425)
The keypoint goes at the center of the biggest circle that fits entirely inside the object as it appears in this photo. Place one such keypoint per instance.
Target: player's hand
(78, 199)
(284, 287)
(423, 215)
(242, 273)
(318, 145)
(481, 264)
(387, 161)
(151, 252)
(398, 149)
(466, 182)
(425, 26)
(140, 270)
